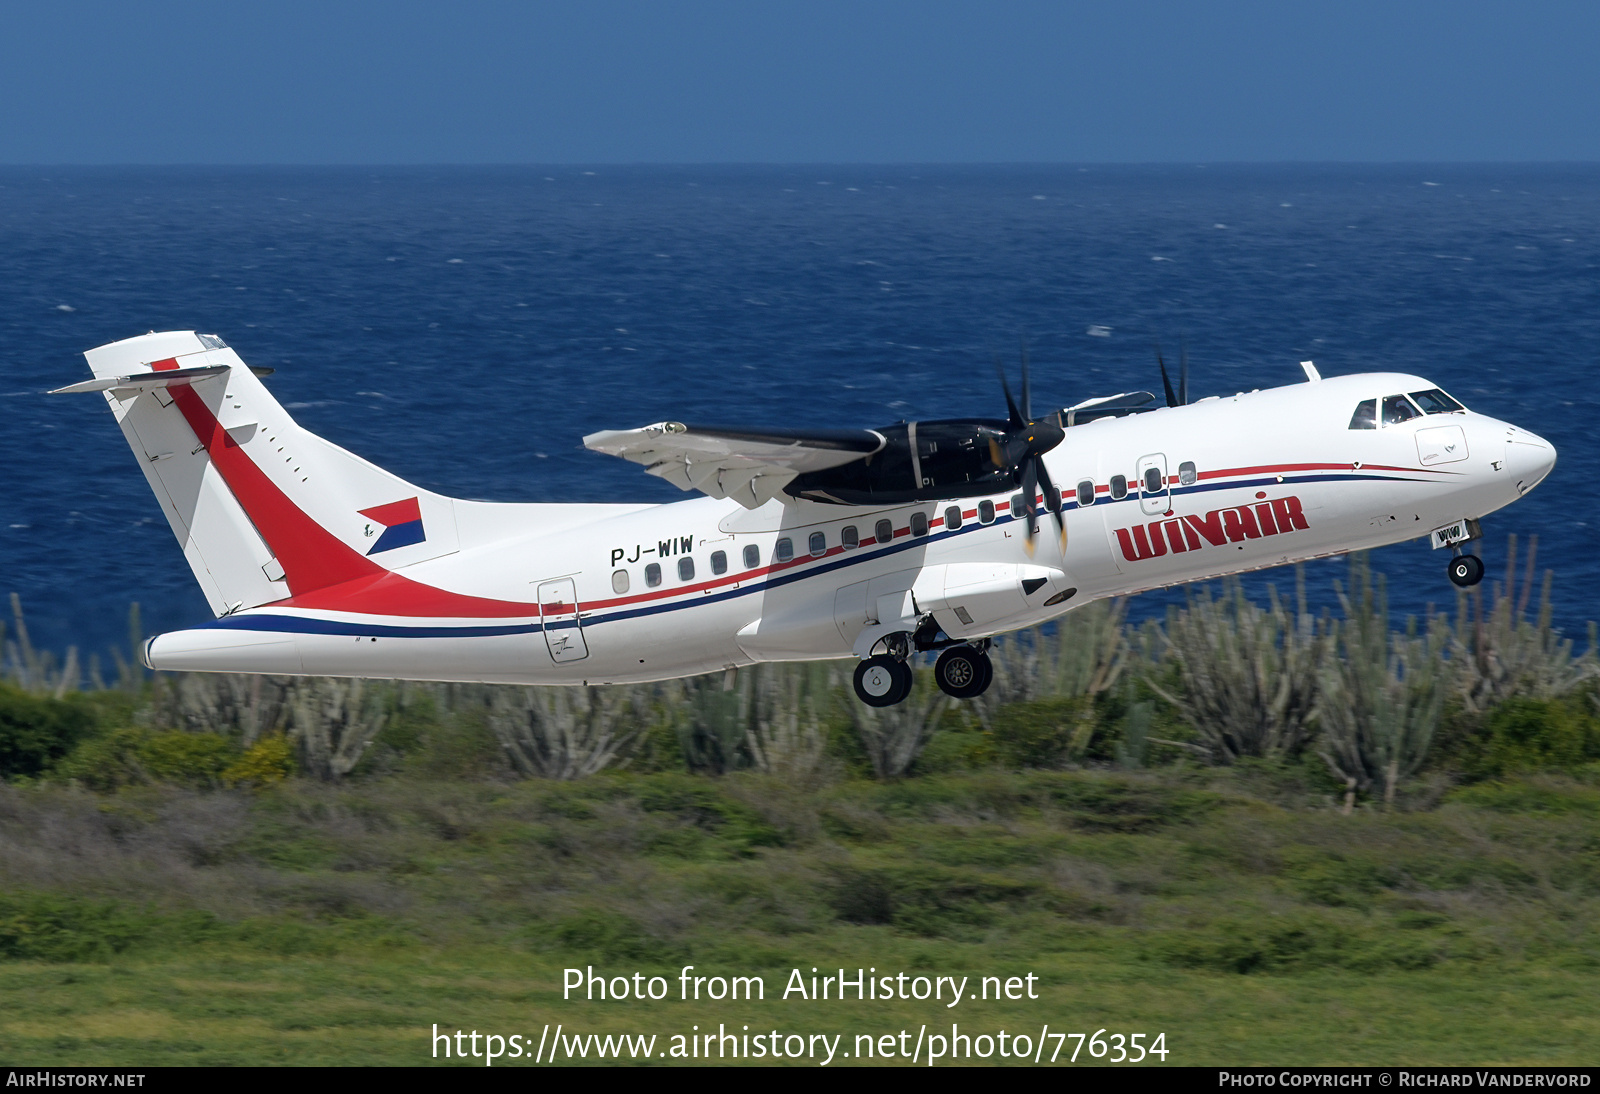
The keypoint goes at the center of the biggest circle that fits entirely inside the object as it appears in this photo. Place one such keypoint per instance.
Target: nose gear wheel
(1466, 570)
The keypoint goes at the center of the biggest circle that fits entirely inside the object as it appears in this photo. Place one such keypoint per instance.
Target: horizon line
(881, 164)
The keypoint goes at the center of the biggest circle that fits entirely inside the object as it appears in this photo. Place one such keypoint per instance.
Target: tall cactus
(1500, 654)
(789, 703)
(1083, 654)
(1381, 693)
(1249, 674)
(567, 733)
(893, 737)
(334, 722)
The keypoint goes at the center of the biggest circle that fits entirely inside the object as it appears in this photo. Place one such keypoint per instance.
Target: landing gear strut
(882, 681)
(1466, 570)
(963, 672)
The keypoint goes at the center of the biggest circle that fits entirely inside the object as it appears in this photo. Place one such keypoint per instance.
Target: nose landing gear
(1466, 570)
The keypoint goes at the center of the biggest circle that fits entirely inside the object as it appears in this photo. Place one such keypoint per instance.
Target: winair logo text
(1220, 526)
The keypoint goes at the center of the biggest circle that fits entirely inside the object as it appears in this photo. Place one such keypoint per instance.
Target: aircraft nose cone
(1529, 458)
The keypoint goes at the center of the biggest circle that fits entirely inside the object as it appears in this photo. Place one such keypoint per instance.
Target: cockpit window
(1397, 409)
(1366, 415)
(1434, 401)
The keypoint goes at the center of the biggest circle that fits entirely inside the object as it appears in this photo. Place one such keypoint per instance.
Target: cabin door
(558, 612)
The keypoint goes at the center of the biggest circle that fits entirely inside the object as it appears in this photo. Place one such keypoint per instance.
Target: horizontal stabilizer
(146, 381)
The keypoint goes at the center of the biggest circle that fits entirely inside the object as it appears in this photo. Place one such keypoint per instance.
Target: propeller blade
(1166, 382)
(1030, 487)
(1052, 500)
(1016, 421)
(994, 453)
(1027, 398)
(1183, 373)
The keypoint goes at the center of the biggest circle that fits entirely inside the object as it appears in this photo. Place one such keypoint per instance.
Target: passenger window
(686, 568)
(1085, 493)
(619, 581)
(1366, 415)
(1152, 480)
(1017, 508)
(719, 562)
(785, 550)
(986, 512)
(652, 574)
(952, 517)
(1434, 401)
(1119, 487)
(752, 557)
(1053, 499)
(884, 531)
(849, 538)
(919, 524)
(1187, 475)
(819, 544)
(1397, 409)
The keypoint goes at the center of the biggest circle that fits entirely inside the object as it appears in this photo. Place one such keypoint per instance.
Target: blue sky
(882, 81)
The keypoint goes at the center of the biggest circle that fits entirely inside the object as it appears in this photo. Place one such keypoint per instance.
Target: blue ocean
(465, 327)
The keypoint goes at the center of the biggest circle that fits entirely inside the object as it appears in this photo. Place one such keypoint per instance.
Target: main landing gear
(962, 672)
(882, 681)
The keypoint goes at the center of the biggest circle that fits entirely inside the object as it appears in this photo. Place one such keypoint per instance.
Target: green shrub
(36, 731)
(609, 936)
(701, 807)
(1552, 795)
(1297, 943)
(129, 757)
(1044, 733)
(923, 899)
(1337, 880)
(49, 927)
(1522, 735)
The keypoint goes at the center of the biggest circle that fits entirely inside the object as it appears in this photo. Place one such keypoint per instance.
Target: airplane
(876, 544)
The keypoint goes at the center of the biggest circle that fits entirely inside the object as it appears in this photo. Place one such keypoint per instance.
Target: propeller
(1181, 396)
(1026, 442)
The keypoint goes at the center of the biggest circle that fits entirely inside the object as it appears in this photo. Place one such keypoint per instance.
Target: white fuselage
(1277, 476)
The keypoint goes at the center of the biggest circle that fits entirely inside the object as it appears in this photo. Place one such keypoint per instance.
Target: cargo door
(558, 612)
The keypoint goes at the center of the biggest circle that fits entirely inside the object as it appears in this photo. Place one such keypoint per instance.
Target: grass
(1243, 916)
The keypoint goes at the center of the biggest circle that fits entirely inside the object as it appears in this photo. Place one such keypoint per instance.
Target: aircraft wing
(749, 466)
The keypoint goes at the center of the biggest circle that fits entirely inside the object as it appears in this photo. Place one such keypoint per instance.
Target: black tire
(963, 672)
(1466, 570)
(882, 681)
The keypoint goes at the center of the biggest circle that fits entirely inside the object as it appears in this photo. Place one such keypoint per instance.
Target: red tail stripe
(321, 571)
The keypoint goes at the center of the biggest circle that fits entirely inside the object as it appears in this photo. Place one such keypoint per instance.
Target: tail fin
(264, 509)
